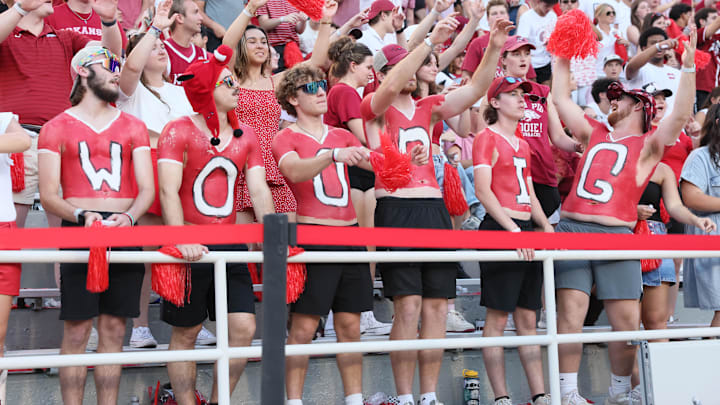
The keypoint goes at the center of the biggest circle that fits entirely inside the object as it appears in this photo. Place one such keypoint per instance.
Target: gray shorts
(614, 280)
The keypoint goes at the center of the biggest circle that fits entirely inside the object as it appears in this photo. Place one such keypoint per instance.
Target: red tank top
(327, 195)
(534, 129)
(95, 163)
(605, 182)
(510, 169)
(209, 181)
(676, 154)
(407, 133)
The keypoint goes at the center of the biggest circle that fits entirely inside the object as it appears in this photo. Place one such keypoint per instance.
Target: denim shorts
(666, 272)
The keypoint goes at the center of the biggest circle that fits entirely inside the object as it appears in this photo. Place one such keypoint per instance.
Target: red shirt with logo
(605, 182)
(406, 133)
(510, 164)
(87, 25)
(95, 162)
(209, 183)
(534, 129)
(707, 77)
(327, 195)
(181, 57)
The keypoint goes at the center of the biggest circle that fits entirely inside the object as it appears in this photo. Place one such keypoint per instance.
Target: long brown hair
(242, 61)
(132, 43)
(343, 53)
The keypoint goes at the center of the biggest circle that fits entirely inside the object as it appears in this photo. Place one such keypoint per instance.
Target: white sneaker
(142, 338)
(371, 326)
(330, 325)
(542, 322)
(456, 323)
(510, 325)
(636, 395)
(625, 398)
(574, 398)
(542, 400)
(503, 401)
(51, 303)
(92, 341)
(205, 338)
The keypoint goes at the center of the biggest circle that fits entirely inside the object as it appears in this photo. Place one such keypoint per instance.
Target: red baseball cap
(616, 91)
(506, 84)
(516, 42)
(379, 6)
(389, 55)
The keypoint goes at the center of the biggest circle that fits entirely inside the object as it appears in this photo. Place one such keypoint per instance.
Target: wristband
(129, 215)
(429, 43)
(688, 70)
(155, 31)
(247, 13)
(400, 31)
(79, 212)
(282, 19)
(516, 230)
(334, 154)
(433, 11)
(109, 23)
(20, 10)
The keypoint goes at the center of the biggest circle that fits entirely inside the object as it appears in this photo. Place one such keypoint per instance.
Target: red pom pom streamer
(292, 55)
(453, 192)
(172, 280)
(641, 228)
(702, 58)
(97, 275)
(313, 8)
(573, 36)
(17, 172)
(393, 168)
(296, 276)
(256, 277)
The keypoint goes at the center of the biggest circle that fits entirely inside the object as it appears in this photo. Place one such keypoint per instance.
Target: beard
(97, 87)
(409, 87)
(617, 116)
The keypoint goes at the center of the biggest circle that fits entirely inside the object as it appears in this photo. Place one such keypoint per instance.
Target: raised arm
(569, 112)
(556, 131)
(111, 36)
(461, 99)
(644, 56)
(426, 23)
(217, 29)
(477, 9)
(237, 29)
(12, 16)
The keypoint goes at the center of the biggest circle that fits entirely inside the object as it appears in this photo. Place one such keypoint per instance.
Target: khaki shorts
(27, 196)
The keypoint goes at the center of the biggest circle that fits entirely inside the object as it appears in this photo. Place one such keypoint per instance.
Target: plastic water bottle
(471, 388)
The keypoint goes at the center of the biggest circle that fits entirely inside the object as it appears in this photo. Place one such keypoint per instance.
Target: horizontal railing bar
(51, 256)
(95, 359)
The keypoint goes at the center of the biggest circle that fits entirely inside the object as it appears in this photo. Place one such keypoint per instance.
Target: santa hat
(199, 83)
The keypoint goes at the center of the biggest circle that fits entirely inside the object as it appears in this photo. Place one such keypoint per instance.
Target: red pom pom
(393, 168)
(172, 280)
(296, 276)
(702, 59)
(292, 55)
(641, 228)
(573, 36)
(453, 192)
(97, 275)
(17, 172)
(256, 278)
(313, 8)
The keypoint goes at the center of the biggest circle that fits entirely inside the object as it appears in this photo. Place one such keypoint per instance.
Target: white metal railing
(223, 353)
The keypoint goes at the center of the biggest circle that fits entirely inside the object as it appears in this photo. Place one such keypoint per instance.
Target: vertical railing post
(275, 245)
(551, 318)
(221, 331)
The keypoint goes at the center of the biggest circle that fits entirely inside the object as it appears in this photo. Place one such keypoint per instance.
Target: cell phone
(107, 222)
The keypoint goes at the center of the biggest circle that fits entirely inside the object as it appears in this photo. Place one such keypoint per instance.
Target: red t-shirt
(283, 32)
(605, 183)
(88, 25)
(327, 195)
(676, 154)
(510, 166)
(35, 82)
(181, 58)
(209, 183)
(707, 78)
(474, 55)
(534, 129)
(95, 163)
(406, 133)
(343, 105)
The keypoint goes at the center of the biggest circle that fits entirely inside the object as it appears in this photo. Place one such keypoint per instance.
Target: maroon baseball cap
(506, 84)
(616, 91)
(379, 6)
(389, 55)
(516, 42)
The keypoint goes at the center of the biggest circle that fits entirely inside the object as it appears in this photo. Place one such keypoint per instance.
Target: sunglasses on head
(110, 62)
(534, 98)
(229, 81)
(507, 79)
(313, 87)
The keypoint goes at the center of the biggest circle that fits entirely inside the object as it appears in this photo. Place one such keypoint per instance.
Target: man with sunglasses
(419, 290)
(199, 160)
(314, 159)
(97, 154)
(611, 177)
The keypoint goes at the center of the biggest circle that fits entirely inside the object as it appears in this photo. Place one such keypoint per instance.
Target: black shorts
(342, 287)
(548, 196)
(361, 179)
(430, 280)
(674, 227)
(122, 298)
(202, 295)
(543, 73)
(508, 285)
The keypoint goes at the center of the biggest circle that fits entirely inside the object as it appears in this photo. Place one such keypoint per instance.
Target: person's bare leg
(654, 307)
(111, 331)
(142, 319)
(494, 357)
(434, 321)
(5, 305)
(54, 221)
(302, 331)
(572, 308)
(241, 328)
(530, 356)
(21, 211)
(624, 315)
(72, 379)
(674, 289)
(347, 328)
(716, 320)
(364, 203)
(183, 373)
(405, 326)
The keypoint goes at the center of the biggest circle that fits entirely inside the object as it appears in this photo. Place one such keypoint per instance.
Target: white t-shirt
(375, 42)
(622, 11)
(307, 40)
(537, 30)
(606, 47)
(664, 77)
(7, 208)
(153, 112)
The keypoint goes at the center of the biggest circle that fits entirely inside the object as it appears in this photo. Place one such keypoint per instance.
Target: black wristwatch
(80, 216)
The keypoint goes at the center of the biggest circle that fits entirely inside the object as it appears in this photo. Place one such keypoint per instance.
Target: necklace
(310, 133)
(84, 20)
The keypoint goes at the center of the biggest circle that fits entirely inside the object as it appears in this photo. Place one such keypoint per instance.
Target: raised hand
(499, 32)
(688, 56)
(359, 19)
(477, 9)
(30, 5)
(442, 5)
(444, 29)
(329, 10)
(254, 5)
(106, 9)
(161, 20)
(398, 19)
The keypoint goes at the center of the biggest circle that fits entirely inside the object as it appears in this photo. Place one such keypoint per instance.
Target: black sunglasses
(313, 87)
(569, 1)
(535, 98)
(609, 13)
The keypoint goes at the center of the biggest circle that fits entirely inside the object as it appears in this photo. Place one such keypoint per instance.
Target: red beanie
(199, 83)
